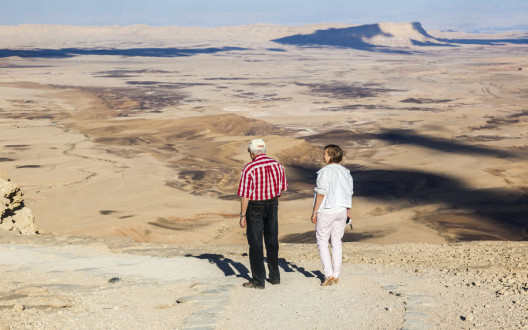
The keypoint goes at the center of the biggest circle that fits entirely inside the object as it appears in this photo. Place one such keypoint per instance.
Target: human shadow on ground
(290, 267)
(226, 265)
(505, 207)
(230, 267)
(130, 52)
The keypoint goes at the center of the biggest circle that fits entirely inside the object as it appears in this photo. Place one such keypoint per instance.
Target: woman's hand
(318, 201)
(243, 222)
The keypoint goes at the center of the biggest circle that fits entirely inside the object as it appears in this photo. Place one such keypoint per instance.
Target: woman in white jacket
(333, 200)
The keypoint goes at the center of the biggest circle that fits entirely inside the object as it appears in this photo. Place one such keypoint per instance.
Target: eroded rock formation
(14, 214)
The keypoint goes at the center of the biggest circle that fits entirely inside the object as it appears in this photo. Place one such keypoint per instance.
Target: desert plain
(128, 142)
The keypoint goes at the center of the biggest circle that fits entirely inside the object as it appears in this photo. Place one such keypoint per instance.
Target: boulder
(14, 214)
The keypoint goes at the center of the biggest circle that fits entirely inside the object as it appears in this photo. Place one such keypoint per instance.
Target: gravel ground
(52, 282)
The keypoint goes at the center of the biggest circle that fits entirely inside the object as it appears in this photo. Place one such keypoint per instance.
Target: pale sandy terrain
(149, 146)
(51, 281)
(137, 146)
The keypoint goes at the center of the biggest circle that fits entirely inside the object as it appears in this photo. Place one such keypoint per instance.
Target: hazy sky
(462, 15)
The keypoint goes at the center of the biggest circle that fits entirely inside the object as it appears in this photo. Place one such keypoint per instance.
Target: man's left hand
(243, 222)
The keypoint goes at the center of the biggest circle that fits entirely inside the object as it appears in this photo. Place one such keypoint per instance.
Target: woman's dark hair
(335, 153)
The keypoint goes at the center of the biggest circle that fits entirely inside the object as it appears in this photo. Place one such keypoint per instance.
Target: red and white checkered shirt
(263, 178)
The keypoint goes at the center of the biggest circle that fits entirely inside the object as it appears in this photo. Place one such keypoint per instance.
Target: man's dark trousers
(262, 218)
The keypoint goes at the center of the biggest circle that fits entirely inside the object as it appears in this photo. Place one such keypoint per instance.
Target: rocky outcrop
(14, 215)
(383, 37)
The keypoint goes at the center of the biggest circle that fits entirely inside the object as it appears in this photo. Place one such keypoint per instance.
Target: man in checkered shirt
(261, 184)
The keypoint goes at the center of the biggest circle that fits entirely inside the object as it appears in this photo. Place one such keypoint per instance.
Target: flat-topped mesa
(402, 35)
(14, 215)
(366, 36)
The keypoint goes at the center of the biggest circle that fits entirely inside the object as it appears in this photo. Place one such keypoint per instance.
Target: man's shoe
(273, 282)
(251, 285)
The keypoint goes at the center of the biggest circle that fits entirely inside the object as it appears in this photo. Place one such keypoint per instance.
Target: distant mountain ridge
(388, 37)
(369, 36)
(169, 41)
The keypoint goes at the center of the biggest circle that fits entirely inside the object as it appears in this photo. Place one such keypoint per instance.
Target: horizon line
(520, 29)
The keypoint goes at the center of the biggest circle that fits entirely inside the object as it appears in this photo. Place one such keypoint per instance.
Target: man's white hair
(257, 146)
(258, 151)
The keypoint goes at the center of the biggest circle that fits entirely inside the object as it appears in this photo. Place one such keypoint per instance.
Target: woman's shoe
(336, 279)
(328, 281)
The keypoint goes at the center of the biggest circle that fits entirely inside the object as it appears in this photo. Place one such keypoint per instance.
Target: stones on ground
(183, 300)
(32, 290)
(18, 307)
(114, 280)
(467, 318)
(502, 292)
(166, 306)
(56, 302)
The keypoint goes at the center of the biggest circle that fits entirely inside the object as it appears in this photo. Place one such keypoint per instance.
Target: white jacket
(334, 181)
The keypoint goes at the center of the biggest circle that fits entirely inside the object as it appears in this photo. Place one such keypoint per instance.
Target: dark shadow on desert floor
(309, 236)
(290, 267)
(131, 52)
(401, 136)
(504, 209)
(230, 267)
(226, 265)
(507, 209)
(445, 145)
